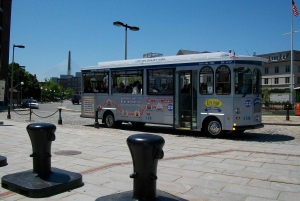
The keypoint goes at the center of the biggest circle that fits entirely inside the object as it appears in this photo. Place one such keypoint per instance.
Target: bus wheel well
(212, 127)
(109, 119)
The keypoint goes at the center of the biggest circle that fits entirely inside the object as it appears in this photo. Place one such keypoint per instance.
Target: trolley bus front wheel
(110, 122)
(213, 128)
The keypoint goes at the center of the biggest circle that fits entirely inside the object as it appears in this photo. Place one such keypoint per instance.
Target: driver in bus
(94, 85)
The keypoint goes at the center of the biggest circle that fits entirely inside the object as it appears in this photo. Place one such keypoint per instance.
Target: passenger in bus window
(219, 88)
(128, 89)
(102, 88)
(136, 88)
(185, 89)
(203, 88)
(115, 88)
(121, 88)
(88, 88)
(93, 86)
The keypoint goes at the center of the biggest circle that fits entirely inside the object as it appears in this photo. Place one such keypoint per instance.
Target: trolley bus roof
(192, 58)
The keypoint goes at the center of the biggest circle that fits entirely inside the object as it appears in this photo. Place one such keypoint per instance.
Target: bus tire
(138, 124)
(109, 120)
(213, 128)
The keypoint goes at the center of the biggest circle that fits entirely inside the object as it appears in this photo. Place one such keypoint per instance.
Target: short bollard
(287, 112)
(43, 180)
(8, 112)
(96, 124)
(41, 137)
(145, 151)
(3, 161)
(59, 117)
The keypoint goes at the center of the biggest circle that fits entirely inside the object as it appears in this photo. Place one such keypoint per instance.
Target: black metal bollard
(8, 112)
(287, 112)
(41, 136)
(59, 117)
(3, 161)
(145, 151)
(43, 180)
(96, 124)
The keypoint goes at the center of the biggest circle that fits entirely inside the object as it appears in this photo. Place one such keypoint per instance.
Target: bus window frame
(203, 87)
(223, 87)
(160, 78)
(88, 84)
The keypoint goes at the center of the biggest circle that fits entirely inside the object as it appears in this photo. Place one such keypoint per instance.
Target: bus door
(185, 100)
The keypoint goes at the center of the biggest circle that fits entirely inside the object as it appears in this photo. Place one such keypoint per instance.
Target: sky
(49, 29)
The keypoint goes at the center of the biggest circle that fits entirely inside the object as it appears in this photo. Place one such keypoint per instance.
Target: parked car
(76, 98)
(31, 104)
(56, 99)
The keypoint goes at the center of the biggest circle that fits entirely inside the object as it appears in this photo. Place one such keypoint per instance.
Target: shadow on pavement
(259, 137)
(250, 136)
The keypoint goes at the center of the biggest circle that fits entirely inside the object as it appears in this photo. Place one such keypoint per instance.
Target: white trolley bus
(208, 92)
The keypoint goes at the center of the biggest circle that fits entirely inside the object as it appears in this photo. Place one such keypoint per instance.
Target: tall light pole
(132, 28)
(22, 83)
(41, 94)
(12, 77)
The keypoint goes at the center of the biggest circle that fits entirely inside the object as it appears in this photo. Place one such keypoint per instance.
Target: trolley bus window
(257, 81)
(243, 81)
(223, 80)
(206, 80)
(95, 82)
(160, 81)
(125, 80)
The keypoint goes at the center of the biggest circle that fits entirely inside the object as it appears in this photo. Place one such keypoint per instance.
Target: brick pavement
(261, 165)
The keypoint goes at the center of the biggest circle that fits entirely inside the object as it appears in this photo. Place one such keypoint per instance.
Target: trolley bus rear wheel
(109, 120)
(213, 128)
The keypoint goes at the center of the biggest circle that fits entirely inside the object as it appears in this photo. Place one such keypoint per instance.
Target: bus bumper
(248, 127)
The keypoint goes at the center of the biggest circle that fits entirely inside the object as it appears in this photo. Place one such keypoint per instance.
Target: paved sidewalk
(193, 168)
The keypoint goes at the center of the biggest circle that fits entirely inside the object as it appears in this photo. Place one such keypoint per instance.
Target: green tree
(31, 84)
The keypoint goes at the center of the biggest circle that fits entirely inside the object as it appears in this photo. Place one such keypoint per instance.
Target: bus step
(183, 128)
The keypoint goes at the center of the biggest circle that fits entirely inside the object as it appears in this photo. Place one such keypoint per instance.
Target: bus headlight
(237, 110)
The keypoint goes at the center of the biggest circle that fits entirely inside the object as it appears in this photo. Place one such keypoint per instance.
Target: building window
(287, 69)
(266, 70)
(287, 80)
(283, 56)
(274, 58)
(298, 80)
(298, 68)
(266, 80)
(276, 81)
(276, 69)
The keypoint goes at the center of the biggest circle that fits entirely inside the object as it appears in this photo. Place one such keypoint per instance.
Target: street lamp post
(22, 83)
(41, 94)
(132, 28)
(45, 93)
(12, 77)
